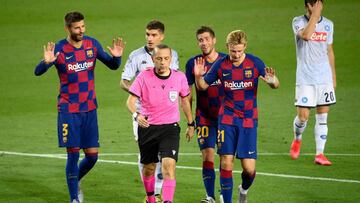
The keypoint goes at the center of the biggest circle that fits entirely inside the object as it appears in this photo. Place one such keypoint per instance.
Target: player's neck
(238, 63)
(212, 56)
(76, 44)
(162, 73)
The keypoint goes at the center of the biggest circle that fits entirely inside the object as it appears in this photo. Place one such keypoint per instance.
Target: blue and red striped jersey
(208, 101)
(75, 67)
(240, 87)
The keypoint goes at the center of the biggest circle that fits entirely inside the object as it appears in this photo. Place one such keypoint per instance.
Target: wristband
(192, 124)
(135, 115)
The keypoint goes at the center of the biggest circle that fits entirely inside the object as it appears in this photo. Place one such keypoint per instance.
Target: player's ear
(214, 40)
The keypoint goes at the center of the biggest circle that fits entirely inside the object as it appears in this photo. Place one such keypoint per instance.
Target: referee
(158, 89)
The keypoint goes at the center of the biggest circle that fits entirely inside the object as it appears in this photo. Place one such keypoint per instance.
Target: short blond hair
(236, 37)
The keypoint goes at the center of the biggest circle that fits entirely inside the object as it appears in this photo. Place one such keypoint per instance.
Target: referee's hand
(142, 121)
(190, 132)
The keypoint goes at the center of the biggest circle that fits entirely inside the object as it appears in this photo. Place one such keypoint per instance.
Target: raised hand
(316, 8)
(49, 55)
(199, 66)
(117, 47)
(269, 75)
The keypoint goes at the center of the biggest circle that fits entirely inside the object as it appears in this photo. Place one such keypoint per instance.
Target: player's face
(153, 38)
(76, 30)
(206, 43)
(236, 52)
(162, 60)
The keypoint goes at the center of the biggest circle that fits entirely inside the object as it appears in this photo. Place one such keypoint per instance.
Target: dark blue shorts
(237, 140)
(206, 136)
(78, 129)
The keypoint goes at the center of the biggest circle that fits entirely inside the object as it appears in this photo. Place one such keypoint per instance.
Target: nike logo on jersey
(68, 57)
(251, 152)
(225, 74)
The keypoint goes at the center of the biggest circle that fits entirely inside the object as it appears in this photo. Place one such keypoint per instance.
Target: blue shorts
(206, 136)
(78, 129)
(237, 140)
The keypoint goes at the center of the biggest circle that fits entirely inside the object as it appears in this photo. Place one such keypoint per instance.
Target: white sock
(140, 166)
(242, 191)
(158, 181)
(299, 128)
(321, 131)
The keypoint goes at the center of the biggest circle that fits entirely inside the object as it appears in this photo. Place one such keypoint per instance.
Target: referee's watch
(135, 115)
(192, 124)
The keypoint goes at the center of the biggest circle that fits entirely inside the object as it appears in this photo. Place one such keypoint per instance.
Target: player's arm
(309, 29)
(116, 50)
(190, 78)
(125, 84)
(270, 78)
(186, 107)
(199, 71)
(49, 59)
(331, 56)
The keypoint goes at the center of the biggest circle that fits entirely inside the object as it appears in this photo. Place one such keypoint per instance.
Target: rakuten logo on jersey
(237, 85)
(80, 66)
(319, 36)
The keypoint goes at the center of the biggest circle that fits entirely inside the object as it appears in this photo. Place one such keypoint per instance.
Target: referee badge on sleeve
(173, 96)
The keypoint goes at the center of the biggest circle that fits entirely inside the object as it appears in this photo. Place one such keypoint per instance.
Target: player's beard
(206, 53)
(76, 37)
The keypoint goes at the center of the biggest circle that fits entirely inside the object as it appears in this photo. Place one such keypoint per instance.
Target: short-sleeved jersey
(312, 59)
(208, 101)
(159, 96)
(140, 59)
(240, 88)
(75, 67)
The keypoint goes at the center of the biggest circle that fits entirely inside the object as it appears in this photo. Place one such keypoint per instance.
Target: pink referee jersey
(159, 96)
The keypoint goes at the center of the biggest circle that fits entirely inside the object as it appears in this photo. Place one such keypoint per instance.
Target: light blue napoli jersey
(312, 59)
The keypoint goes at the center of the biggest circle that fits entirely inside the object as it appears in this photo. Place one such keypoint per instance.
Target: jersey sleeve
(130, 69)
(212, 75)
(189, 72)
(298, 24)
(330, 38)
(185, 90)
(174, 60)
(42, 67)
(136, 86)
(260, 65)
(111, 62)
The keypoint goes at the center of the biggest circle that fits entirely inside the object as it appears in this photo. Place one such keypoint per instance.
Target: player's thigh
(226, 139)
(246, 143)
(89, 136)
(305, 96)
(69, 129)
(148, 144)
(206, 136)
(325, 95)
(169, 141)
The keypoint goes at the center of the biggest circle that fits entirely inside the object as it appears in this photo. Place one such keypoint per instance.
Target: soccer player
(238, 115)
(159, 89)
(315, 76)
(207, 108)
(74, 58)
(139, 60)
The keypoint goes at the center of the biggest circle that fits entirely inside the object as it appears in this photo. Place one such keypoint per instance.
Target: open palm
(49, 55)
(117, 48)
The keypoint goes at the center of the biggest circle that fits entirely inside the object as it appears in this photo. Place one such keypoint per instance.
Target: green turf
(28, 103)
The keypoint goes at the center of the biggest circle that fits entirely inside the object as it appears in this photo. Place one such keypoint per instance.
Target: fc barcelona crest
(89, 53)
(173, 96)
(248, 74)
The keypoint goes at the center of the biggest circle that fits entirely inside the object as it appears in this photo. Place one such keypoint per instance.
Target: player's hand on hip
(117, 48)
(49, 55)
(199, 66)
(142, 121)
(190, 130)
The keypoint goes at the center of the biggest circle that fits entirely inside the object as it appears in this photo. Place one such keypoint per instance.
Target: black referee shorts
(158, 140)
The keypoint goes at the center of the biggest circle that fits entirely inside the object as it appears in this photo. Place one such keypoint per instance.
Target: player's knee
(92, 157)
(249, 172)
(321, 118)
(149, 169)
